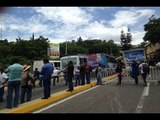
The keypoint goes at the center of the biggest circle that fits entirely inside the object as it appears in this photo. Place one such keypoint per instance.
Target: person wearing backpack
(144, 68)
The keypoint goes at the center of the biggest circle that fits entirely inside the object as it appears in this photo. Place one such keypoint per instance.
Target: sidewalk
(33, 105)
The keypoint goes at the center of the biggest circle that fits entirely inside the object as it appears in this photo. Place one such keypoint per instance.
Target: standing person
(119, 70)
(3, 83)
(99, 75)
(82, 73)
(135, 71)
(36, 76)
(27, 84)
(77, 74)
(55, 76)
(119, 74)
(70, 75)
(88, 72)
(46, 73)
(14, 82)
(144, 68)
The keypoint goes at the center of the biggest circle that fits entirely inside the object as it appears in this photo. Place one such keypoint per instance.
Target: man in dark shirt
(70, 75)
(46, 73)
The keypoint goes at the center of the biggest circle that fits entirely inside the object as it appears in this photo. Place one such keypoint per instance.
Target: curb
(39, 103)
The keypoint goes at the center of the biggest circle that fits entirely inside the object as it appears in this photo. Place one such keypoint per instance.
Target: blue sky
(68, 23)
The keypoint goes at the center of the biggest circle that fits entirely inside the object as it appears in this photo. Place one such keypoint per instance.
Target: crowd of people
(20, 80)
(133, 70)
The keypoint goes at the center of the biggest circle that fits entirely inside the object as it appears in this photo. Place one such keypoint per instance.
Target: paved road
(110, 98)
(38, 93)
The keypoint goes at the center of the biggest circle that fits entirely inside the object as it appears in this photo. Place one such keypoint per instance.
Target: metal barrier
(154, 75)
(105, 73)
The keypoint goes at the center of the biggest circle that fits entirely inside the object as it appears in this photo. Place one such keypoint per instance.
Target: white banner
(53, 51)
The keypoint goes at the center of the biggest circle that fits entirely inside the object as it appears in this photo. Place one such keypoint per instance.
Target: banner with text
(135, 54)
(53, 51)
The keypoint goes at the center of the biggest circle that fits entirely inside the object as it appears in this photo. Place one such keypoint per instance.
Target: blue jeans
(1, 94)
(25, 91)
(40, 82)
(77, 79)
(66, 79)
(82, 76)
(13, 85)
(88, 77)
(47, 87)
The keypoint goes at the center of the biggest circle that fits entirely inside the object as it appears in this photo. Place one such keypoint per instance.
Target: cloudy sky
(68, 23)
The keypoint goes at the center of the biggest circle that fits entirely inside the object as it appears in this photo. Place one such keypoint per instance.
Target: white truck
(39, 63)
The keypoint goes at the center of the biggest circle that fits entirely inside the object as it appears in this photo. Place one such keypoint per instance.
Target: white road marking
(54, 104)
(59, 102)
(144, 94)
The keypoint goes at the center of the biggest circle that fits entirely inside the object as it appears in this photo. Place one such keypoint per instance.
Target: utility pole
(66, 48)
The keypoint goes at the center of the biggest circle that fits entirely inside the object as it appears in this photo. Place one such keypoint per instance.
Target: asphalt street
(110, 98)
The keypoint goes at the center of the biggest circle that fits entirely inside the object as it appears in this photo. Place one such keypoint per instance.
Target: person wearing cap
(14, 71)
(46, 73)
(27, 83)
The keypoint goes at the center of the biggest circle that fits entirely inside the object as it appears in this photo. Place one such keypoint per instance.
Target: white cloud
(67, 23)
(125, 17)
(66, 15)
(137, 37)
(93, 9)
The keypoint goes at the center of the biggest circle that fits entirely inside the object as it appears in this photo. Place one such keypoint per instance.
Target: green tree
(25, 50)
(126, 40)
(152, 29)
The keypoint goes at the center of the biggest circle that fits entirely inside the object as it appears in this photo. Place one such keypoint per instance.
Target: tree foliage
(152, 29)
(36, 49)
(126, 40)
(26, 50)
(89, 46)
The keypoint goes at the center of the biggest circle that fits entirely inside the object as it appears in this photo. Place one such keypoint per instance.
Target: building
(152, 51)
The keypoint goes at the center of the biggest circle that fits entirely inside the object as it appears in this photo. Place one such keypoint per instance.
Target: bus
(76, 59)
(92, 59)
(106, 60)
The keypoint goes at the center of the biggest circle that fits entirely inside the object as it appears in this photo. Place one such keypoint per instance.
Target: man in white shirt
(3, 83)
(55, 75)
(144, 67)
